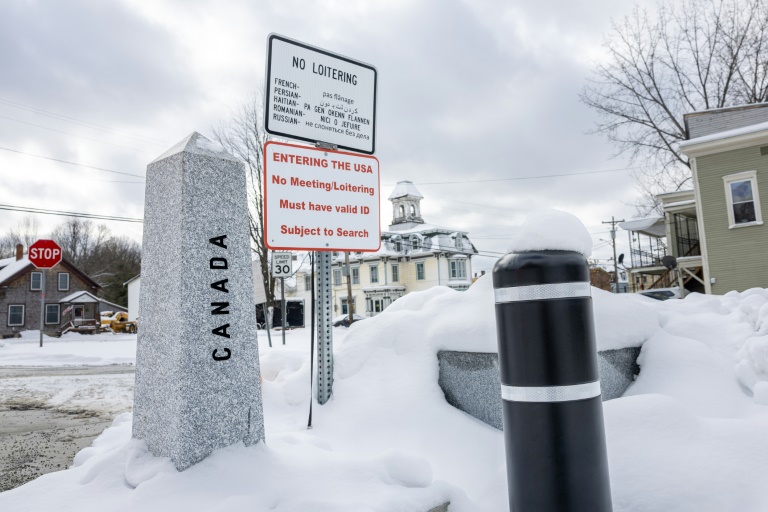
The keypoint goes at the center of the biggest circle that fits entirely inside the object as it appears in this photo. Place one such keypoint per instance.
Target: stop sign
(44, 254)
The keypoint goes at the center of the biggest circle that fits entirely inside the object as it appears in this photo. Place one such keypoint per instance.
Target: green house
(715, 231)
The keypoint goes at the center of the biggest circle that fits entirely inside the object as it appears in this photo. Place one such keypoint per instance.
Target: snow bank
(552, 230)
(687, 436)
(72, 349)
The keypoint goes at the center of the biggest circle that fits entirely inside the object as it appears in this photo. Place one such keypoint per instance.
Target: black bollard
(553, 415)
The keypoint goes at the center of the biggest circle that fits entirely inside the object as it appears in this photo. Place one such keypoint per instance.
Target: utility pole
(613, 223)
(349, 287)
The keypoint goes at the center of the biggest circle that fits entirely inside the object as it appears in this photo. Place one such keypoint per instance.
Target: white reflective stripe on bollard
(551, 393)
(543, 292)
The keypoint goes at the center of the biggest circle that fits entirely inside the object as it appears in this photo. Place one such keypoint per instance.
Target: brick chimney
(19, 251)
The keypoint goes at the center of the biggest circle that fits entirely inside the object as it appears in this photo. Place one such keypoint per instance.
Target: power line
(81, 122)
(523, 177)
(71, 163)
(61, 213)
(72, 134)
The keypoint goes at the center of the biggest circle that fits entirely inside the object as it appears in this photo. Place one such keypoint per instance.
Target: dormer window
(414, 243)
(459, 242)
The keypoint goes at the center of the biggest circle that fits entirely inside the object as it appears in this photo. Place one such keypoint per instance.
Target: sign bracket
(326, 145)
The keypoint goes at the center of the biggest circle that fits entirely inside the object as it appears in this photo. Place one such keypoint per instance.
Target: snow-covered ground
(72, 349)
(689, 434)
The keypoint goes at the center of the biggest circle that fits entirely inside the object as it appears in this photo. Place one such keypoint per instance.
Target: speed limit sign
(282, 264)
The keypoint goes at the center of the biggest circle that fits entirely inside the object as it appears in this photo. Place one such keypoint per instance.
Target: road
(49, 414)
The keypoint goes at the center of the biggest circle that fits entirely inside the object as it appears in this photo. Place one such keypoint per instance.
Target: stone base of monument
(470, 380)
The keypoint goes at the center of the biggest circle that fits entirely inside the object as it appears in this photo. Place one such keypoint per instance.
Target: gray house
(715, 231)
(21, 287)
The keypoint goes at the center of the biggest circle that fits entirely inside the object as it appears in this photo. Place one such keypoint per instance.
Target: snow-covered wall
(470, 380)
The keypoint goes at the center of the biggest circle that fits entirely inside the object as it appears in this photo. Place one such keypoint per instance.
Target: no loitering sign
(320, 200)
(318, 96)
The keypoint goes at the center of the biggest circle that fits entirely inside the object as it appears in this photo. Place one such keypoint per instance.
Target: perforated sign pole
(324, 328)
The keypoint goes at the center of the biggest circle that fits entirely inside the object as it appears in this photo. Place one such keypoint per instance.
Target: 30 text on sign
(318, 96)
(320, 200)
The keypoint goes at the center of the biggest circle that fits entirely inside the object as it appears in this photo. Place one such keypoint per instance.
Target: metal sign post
(320, 199)
(324, 328)
(282, 306)
(44, 254)
(282, 266)
(42, 307)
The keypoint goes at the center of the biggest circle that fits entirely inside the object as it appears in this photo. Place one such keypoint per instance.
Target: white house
(413, 256)
(134, 285)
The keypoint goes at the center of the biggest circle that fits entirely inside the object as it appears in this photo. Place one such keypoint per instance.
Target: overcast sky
(469, 92)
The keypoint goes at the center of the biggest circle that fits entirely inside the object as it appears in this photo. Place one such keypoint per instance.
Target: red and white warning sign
(320, 200)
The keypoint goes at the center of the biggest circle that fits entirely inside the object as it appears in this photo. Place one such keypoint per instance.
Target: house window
(344, 308)
(63, 281)
(51, 314)
(337, 277)
(743, 199)
(420, 271)
(398, 246)
(402, 211)
(395, 273)
(15, 315)
(355, 276)
(374, 273)
(414, 243)
(459, 242)
(412, 209)
(458, 269)
(35, 281)
(307, 282)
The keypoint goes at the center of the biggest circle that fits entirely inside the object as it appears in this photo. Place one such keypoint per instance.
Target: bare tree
(81, 241)
(690, 56)
(243, 136)
(25, 232)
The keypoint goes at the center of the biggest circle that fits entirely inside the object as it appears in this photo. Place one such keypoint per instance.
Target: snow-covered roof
(384, 287)
(137, 276)
(405, 188)
(653, 226)
(680, 203)
(744, 130)
(11, 266)
(82, 297)
(421, 228)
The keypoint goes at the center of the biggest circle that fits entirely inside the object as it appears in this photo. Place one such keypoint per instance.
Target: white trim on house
(750, 176)
(32, 280)
(58, 281)
(702, 231)
(23, 315)
(58, 314)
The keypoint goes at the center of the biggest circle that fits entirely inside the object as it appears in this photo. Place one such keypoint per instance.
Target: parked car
(343, 320)
(662, 293)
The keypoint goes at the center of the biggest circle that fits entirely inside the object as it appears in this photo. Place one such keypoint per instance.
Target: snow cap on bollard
(553, 230)
(553, 417)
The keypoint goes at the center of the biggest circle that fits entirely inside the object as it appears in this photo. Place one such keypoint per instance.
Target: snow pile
(687, 436)
(624, 320)
(72, 349)
(552, 230)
